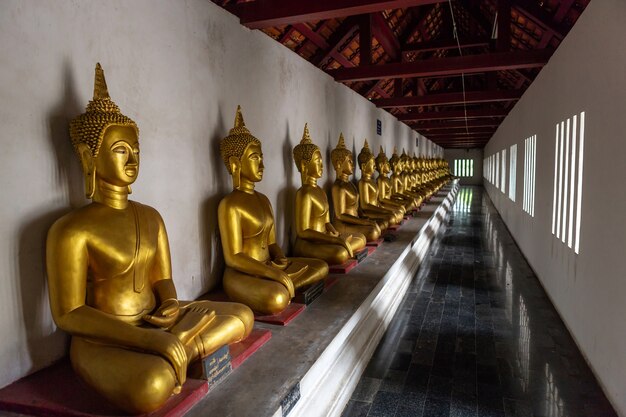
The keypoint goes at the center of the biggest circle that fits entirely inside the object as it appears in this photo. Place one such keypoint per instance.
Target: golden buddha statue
(316, 236)
(407, 176)
(386, 196)
(110, 277)
(346, 197)
(368, 191)
(257, 272)
(398, 180)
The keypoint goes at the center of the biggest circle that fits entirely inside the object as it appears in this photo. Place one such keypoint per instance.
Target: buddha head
(341, 158)
(366, 160)
(106, 141)
(382, 163)
(395, 162)
(241, 153)
(406, 161)
(308, 157)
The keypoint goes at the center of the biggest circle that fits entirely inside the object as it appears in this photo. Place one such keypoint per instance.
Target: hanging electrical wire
(458, 43)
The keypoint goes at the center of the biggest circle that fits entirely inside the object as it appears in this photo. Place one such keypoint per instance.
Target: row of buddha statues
(108, 263)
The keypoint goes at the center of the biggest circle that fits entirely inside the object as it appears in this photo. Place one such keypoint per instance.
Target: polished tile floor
(476, 335)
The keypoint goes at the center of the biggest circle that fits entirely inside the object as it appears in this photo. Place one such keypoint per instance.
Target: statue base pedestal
(241, 351)
(344, 268)
(375, 243)
(284, 317)
(309, 295)
(57, 391)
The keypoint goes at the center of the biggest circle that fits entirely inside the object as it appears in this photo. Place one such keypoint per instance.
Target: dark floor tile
(384, 404)
(366, 389)
(356, 409)
(476, 335)
(436, 407)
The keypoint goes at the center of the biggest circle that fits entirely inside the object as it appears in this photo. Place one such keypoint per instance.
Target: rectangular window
(512, 171)
(464, 168)
(530, 157)
(496, 162)
(503, 176)
(568, 170)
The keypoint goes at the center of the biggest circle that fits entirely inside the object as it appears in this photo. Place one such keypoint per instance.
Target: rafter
(267, 13)
(443, 44)
(450, 98)
(446, 66)
(458, 131)
(454, 124)
(563, 9)
(454, 114)
(386, 37)
(348, 29)
(535, 13)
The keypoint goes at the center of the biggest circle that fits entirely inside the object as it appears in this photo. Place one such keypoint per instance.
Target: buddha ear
(235, 168)
(88, 164)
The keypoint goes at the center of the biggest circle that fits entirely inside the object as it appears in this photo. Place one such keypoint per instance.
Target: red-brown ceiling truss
(403, 55)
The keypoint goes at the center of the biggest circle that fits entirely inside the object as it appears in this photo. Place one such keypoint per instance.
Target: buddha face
(117, 162)
(315, 167)
(252, 163)
(347, 166)
(386, 168)
(368, 167)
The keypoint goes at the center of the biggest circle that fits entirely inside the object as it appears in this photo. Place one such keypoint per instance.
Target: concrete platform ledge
(311, 367)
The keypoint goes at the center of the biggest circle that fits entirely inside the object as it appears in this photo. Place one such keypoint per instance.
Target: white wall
(587, 73)
(474, 154)
(179, 69)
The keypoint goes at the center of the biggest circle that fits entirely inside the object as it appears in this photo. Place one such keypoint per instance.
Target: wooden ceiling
(450, 69)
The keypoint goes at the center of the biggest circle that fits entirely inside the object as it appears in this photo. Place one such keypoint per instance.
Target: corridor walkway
(476, 335)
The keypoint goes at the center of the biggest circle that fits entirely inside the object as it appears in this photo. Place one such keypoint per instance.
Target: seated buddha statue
(110, 277)
(257, 272)
(398, 180)
(386, 196)
(316, 237)
(407, 176)
(368, 191)
(346, 197)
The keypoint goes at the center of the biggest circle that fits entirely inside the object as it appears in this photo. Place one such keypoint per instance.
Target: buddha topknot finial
(101, 112)
(237, 140)
(365, 154)
(394, 157)
(305, 149)
(381, 158)
(340, 153)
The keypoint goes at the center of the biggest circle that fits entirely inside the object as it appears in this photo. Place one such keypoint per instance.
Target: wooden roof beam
(386, 37)
(454, 114)
(443, 44)
(468, 64)
(535, 13)
(450, 98)
(455, 124)
(262, 14)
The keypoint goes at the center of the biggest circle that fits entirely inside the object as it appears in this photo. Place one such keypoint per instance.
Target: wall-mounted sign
(379, 127)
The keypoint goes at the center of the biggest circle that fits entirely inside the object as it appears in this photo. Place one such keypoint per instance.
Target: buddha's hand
(280, 262)
(171, 349)
(344, 241)
(165, 316)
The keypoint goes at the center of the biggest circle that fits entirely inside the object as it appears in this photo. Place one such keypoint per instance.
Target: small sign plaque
(379, 127)
(216, 366)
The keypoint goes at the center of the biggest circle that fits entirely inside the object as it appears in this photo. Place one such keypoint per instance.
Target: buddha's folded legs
(261, 295)
(317, 270)
(233, 323)
(135, 381)
(371, 233)
(331, 254)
